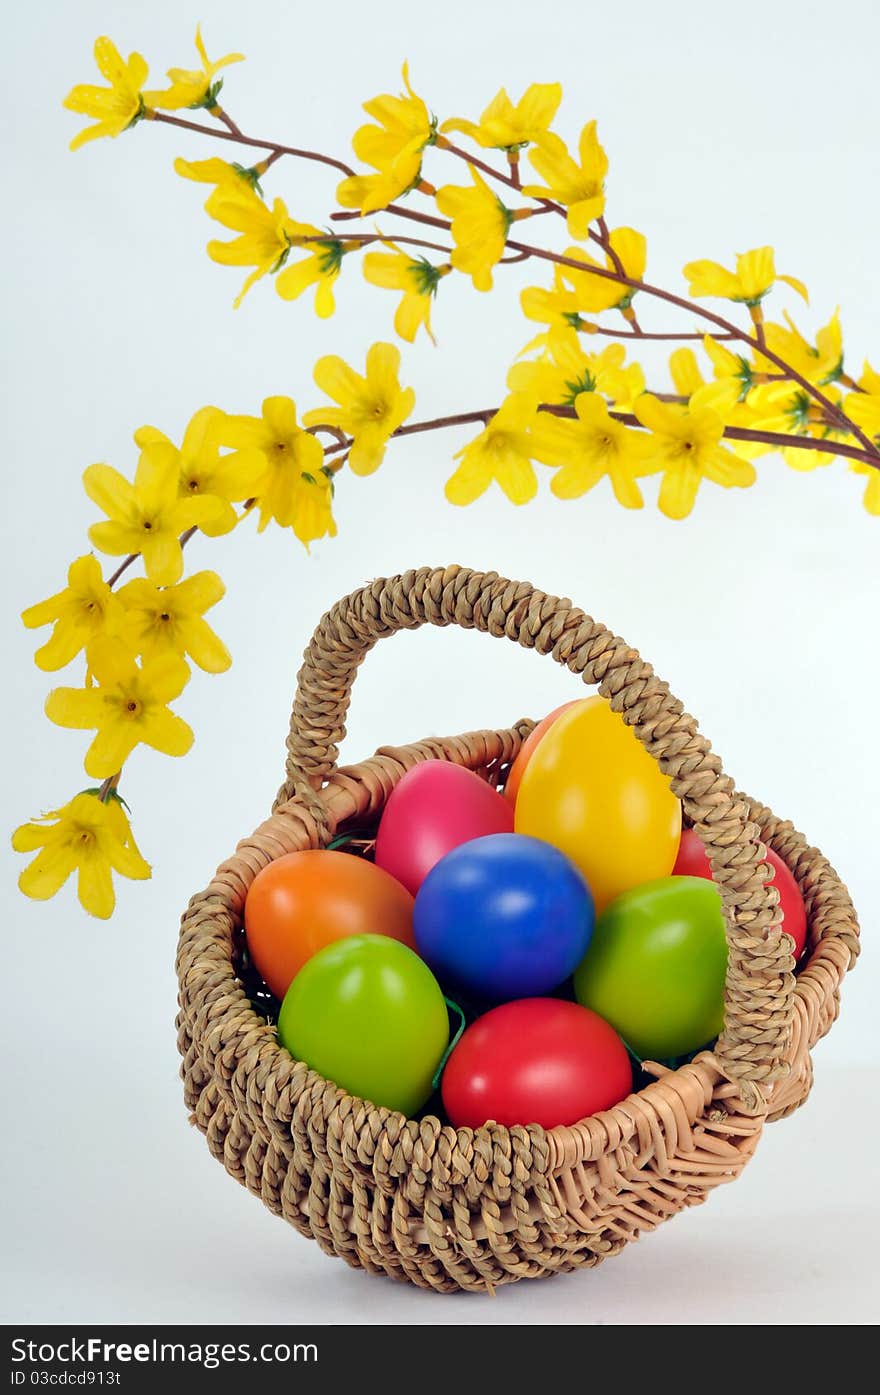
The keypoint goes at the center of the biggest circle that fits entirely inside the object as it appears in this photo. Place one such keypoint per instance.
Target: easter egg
(366, 1013)
(592, 790)
(527, 749)
(693, 862)
(536, 1061)
(504, 916)
(305, 900)
(656, 965)
(436, 806)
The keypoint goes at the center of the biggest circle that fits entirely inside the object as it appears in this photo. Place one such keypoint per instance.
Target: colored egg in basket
(305, 900)
(505, 916)
(368, 1014)
(592, 790)
(435, 807)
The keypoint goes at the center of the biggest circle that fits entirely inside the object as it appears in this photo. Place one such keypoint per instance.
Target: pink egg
(434, 808)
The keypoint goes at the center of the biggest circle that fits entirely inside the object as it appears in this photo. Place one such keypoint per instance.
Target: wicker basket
(460, 1209)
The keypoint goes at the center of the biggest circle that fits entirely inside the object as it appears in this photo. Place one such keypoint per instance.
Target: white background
(725, 128)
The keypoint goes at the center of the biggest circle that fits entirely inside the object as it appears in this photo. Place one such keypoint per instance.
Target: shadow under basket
(470, 1209)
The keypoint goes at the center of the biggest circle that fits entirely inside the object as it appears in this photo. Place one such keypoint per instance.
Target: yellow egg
(592, 790)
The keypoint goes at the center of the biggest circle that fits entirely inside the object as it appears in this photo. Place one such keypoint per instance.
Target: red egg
(434, 808)
(527, 749)
(535, 1061)
(692, 861)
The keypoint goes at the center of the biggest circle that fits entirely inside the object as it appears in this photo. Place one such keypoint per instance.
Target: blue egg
(503, 917)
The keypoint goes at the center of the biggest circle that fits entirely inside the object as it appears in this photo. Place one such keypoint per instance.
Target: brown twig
(779, 439)
(108, 787)
(869, 452)
(220, 115)
(512, 180)
(241, 139)
(122, 568)
(364, 240)
(591, 328)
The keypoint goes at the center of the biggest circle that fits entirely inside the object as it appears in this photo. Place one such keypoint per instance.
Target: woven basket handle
(759, 992)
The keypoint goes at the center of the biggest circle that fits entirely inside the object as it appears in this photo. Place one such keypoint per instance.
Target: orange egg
(527, 749)
(305, 900)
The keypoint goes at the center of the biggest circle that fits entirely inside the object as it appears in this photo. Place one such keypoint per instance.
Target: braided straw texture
(470, 1209)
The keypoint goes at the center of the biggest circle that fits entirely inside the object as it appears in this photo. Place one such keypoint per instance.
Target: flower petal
(80, 708)
(205, 648)
(279, 414)
(796, 285)
(197, 593)
(293, 280)
(65, 642)
(678, 491)
(576, 479)
(168, 733)
(156, 477)
(47, 873)
(95, 887)
(29, 837)
(44, 612)
(383, 367)
(165, 678)
(471, 479)
(334, 377)
(111, 747)
(114, 538)
(111, 661)
(163, 558)
(111, 491)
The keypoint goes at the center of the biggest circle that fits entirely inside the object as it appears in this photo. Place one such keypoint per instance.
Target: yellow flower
(371, 408)
(116, 107)
(819, 363)
(320, 267)
(580, 186)
(871, 496)
(263, 241)
(82, 610)
(88, 837)
(216, 171)
(596, 293)
(203, 471)
(418, 280)
(870, 380)
(480, 224)
(754, 276)
(193, 88)
(556, 308)
(295, 491)
(148, 516)
(685, 443)
(864, 409)
(502, 452)
(504, 126)
(560, 376)
(393, 148)
(127, 706)
(784, 406)
(590, 446)
(725, 392)
(170, 620)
